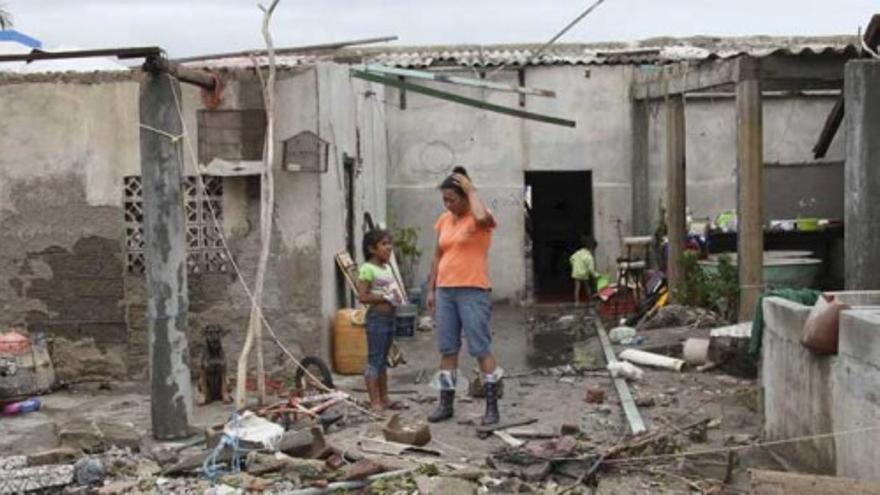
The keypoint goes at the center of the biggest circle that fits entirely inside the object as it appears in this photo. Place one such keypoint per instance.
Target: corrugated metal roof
(652, 51)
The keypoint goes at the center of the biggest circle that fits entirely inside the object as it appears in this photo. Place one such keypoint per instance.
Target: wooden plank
(780, 483)
(750, 194)
(683, 77)
(463, 100)
(676, 190)
(485, 430)
(636, 424)
(829, 130)
(798, 72)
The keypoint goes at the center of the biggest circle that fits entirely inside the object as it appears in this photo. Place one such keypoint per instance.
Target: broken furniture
(632, 265)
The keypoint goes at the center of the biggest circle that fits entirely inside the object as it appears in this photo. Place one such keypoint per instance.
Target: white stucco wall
(430, 136)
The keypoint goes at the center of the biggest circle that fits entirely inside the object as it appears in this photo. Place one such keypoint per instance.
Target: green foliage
(406, 247)
(715, 290)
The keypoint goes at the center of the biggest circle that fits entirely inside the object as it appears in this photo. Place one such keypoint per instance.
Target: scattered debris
(484, 431)
(674, 315)
(394, 431)
(619, 334)
(445, 485)
(650, 359)
(509, 439)
(625, 370)
(695, 351)
(379, 446)
(636, 424)
(81, 361)
(89, 471)
(99, 435)
(36, 479)
(595, 395)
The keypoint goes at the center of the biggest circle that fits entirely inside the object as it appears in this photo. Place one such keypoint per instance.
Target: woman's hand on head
(464, 183)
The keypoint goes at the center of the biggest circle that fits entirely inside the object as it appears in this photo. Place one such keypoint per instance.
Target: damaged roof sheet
(650, 51)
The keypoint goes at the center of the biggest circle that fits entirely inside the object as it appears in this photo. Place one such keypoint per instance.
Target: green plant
(406, 247)
(716, 291)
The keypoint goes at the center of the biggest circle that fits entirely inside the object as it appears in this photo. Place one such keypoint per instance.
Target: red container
(13, 343)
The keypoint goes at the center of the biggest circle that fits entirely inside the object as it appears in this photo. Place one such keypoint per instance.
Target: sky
(198, 27)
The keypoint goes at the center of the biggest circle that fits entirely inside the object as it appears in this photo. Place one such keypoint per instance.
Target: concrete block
(797, 388)
(860, 335)
(858, 297)
(785, 318)
(855, 396)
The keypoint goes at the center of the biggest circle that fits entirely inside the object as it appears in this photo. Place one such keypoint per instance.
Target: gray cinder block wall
(806, 394)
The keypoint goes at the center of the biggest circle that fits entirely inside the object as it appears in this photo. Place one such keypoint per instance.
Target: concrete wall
(856, 398)
(354, 127)
(65, 147)
(791, 128)
(430, 136)
(797, 386)
(808, 394)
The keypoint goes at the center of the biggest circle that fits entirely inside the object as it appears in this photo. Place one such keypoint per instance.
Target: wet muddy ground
(550, 362)
(551, 356)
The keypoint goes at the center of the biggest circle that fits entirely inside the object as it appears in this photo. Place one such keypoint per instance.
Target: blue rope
(211, 468)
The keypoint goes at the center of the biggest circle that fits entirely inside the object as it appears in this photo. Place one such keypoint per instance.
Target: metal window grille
(204, 247)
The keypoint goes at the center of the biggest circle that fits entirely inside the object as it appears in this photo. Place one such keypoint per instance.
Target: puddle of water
(560, 339)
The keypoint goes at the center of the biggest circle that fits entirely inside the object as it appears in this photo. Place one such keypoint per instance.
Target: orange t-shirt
(464, 252)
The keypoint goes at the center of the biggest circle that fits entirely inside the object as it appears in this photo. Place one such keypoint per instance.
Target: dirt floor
(551, 357)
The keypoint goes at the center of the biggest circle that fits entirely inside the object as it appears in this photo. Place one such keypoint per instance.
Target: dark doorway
(560, 211)
(344, 295)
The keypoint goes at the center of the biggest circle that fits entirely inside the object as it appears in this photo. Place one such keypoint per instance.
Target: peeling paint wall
(65, 147)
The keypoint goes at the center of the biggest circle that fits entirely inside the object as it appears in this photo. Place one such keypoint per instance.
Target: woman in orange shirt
(459, 291)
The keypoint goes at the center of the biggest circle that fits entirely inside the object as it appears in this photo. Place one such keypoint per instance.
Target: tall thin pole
(676, 188)
(165, 253)
(750, 186)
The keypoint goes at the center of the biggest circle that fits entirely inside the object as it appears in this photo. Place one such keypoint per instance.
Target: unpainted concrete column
(862, 175)
(639, 168)
(750, 186)
(676, 188)
(165, 253)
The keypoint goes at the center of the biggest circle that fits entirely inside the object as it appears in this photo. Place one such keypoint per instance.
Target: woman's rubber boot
(491, 417)
(444, 409)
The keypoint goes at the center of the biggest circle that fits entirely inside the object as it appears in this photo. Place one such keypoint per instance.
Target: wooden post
(676, 188)
(750, 186)
(641, 214)
(165, 253)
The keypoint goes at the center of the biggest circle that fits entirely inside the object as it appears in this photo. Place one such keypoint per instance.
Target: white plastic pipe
(696, 351)
(651, 359)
